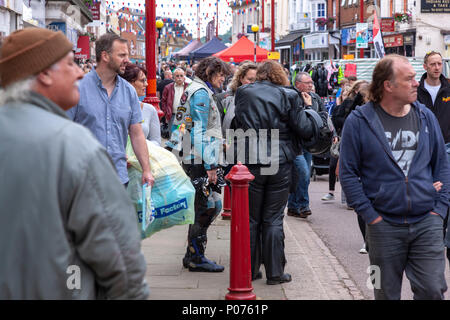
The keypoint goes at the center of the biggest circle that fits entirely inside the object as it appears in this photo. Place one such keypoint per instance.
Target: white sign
(318, 40)
(362, 35)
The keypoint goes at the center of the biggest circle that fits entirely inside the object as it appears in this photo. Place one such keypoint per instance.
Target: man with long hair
(392, 154)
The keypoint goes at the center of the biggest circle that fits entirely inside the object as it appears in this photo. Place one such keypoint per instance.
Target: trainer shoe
(363, 249)
(328, 197)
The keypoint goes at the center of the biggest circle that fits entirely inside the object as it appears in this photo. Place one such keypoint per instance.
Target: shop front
(287, 48)
(402, 44)
(316, 46)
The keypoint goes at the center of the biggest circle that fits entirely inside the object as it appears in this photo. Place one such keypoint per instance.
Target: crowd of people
(392, 137)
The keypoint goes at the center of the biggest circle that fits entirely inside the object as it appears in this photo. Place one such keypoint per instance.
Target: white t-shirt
(433, 90)
(177, 97)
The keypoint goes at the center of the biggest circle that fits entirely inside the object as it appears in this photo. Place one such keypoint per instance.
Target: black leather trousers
(204, 216)
(268, 196)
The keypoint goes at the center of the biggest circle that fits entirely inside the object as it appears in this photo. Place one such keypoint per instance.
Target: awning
(287, 40)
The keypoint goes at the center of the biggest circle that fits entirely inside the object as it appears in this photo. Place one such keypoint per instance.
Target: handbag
(334, 150)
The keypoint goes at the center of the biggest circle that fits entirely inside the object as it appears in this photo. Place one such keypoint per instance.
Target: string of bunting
(133, 11)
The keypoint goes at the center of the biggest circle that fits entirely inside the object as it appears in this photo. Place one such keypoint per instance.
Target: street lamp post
(255, 29)
(159, 24)
(150, 54)
(361, 19)
(272, 25)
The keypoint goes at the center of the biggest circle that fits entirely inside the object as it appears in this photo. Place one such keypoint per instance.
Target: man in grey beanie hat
(63, 231)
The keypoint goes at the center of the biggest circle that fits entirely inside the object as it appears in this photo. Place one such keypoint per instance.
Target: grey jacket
(68, 229)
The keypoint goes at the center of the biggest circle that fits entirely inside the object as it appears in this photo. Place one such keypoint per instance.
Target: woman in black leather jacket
(277, 116)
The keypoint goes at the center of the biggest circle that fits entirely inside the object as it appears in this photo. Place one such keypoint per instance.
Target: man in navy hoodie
(392, 154)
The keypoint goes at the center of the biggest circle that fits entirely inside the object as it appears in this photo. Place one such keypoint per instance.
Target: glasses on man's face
(307, 82)
(144, 80)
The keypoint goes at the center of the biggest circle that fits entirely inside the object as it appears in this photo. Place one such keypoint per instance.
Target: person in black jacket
(277, 117)
(434, 92)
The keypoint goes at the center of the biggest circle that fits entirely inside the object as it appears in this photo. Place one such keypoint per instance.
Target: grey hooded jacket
(68, 229)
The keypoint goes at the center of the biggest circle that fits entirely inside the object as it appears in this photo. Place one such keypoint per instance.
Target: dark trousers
(204, 216)
(362, 226)
(267, 199)
(417, 249)
(332, 173)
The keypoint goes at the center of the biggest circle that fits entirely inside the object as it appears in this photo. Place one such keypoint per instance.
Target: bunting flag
(377, 37)
(185, 11)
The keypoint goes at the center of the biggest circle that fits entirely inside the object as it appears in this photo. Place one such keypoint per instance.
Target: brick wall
(349, 12)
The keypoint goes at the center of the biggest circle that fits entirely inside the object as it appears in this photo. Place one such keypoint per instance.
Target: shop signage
(57, 26)
(273, 55)
(95, 10)
(393, 41)
(362, 35)
(82, 50)
(435, 6)
(387, 25)
(318, 40)
(408, 39)
(349, 56)
(348, 36)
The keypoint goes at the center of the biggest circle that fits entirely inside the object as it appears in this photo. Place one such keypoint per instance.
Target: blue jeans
(417, 249)
(300, 199)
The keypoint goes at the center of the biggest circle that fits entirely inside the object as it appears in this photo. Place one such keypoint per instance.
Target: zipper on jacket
(409, 198)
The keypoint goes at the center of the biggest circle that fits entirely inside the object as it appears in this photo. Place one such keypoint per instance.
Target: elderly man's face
(64, 82)
(404, 86)
(306, 84)
(179, 77)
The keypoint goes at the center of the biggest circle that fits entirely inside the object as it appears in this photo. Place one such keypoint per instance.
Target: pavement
(316, 273)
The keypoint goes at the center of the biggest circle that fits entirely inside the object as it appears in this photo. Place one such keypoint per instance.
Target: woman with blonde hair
(277, 115)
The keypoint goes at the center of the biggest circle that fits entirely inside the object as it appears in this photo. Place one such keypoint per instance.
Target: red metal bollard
(240, 263)
(226, 214)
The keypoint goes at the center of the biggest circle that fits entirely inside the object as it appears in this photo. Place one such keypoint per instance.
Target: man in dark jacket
(392, 153)
(298, 204)
(434, 92)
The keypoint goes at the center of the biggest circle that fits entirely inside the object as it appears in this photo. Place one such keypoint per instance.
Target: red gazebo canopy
(242, 50)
